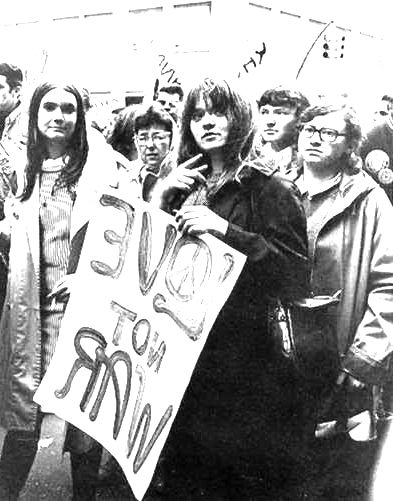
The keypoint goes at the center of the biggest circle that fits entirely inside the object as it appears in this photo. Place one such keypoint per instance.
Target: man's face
(322, 141)
(153, 144)
(278, 124)
(170, 103)
(8, 98)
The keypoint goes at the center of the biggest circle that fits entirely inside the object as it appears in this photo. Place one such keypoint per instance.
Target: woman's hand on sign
(198, 219)
(62, 289)
(182, 178)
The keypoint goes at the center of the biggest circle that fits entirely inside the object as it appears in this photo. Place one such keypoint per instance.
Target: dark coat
(243, 402)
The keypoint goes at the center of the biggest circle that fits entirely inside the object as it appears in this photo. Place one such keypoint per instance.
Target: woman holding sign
(241, 426)
(62, 180)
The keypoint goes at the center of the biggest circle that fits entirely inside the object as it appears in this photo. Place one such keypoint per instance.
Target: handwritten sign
(133, 330)
(252, 62)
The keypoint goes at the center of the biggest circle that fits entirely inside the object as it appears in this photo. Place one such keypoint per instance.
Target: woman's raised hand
(182, 178)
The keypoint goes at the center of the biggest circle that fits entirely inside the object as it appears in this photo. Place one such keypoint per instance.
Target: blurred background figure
(122, 135)
(377, 147)
(170, 98)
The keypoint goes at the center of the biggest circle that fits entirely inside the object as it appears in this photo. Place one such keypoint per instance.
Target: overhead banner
(135, 325)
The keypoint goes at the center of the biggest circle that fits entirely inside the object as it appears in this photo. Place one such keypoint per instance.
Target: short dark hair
(173, 89)
(13, 75)
(389, 100)
(151, 114)
(282, 96)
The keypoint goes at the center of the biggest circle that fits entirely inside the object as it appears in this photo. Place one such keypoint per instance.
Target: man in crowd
(13, 128)
(377, 148)
(11, 78)
(279, 110)
(12, 141)
(170, 98)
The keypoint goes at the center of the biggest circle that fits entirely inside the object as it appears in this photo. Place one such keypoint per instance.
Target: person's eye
(68, 109)
(50, 106)
(308, 129)
(263, 111)
(159, 137)
(383, 113)
(219, 113)
(330, 133)
(197, 115)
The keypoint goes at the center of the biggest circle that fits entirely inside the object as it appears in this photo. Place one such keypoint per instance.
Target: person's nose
(150, 143)
(271, 121)
(208, 121)
(58, 115)
(315, 140)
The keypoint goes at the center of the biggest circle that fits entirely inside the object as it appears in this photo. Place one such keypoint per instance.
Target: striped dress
(55, 219)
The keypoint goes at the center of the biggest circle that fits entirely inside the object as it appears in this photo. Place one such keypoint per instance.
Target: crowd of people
(292, 394)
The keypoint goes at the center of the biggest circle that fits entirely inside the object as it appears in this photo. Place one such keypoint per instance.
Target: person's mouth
(210, 135)
(314, 151)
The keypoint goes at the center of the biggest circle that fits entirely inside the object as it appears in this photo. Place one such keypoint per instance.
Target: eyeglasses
(326, 135)
(156, 138)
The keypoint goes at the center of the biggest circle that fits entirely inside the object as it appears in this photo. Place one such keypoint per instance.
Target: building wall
(118, 48)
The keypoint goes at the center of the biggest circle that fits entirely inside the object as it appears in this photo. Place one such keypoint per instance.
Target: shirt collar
(320, 188)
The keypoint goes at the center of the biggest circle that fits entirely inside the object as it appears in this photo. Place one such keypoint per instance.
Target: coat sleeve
(276, 242)
(368, 357)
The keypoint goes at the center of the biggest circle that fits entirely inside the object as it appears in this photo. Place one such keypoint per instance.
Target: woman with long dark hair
(234, 436)
(61, 181)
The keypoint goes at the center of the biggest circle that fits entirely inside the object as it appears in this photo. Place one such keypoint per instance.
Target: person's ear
(16, 92)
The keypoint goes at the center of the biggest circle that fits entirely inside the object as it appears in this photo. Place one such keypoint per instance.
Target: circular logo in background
(376, 161)
(385, 176)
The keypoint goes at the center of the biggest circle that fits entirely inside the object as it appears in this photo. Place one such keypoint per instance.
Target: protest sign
(133, 330)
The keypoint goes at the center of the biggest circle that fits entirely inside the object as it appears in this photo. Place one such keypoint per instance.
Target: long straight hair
(221, 98)
(77, 148)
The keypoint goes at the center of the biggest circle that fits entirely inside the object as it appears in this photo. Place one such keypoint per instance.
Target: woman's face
(57, 115)
(210, 129)
(154, 144)
(323, 140)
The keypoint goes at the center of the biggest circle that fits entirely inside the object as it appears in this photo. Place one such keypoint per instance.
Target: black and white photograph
(196, 250)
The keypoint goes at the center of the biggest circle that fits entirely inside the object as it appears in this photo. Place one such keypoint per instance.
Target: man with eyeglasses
(275, 144)
(347, 360)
